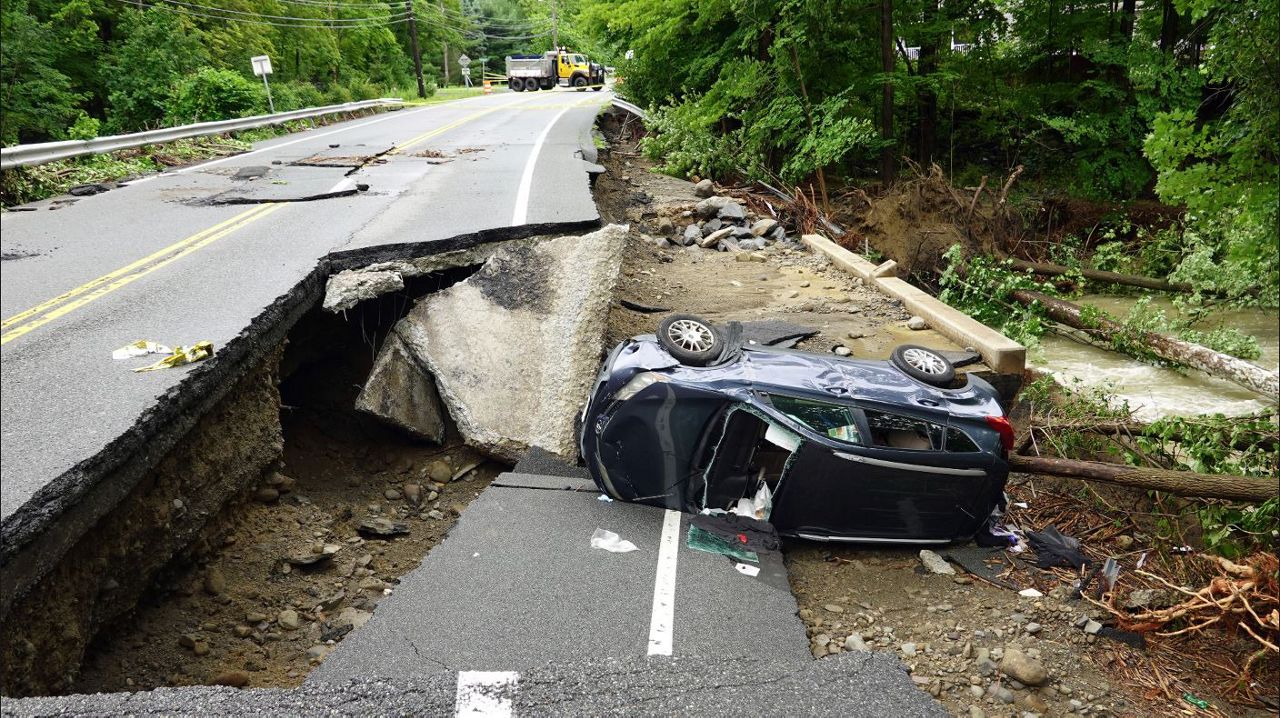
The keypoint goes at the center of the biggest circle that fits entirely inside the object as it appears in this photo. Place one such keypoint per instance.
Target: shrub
(211, 94)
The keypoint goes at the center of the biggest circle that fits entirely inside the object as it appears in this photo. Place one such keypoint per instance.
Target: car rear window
(903, 432)
(959, 441)
(831, 420)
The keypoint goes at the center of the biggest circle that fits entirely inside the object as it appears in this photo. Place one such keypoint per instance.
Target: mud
(45, 634)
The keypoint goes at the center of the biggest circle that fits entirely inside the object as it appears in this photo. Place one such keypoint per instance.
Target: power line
(315, 23)
(214, 8)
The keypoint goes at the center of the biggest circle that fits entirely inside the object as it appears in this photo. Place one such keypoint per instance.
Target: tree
(38, 100)
(159, 49)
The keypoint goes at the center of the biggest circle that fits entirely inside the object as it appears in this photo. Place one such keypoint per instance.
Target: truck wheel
(580, 83)
(516, 84)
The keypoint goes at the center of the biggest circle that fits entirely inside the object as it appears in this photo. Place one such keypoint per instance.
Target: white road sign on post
(262, 68)
(463, 60)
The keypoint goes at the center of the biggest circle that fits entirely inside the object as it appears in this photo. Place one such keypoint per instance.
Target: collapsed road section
(184, 513)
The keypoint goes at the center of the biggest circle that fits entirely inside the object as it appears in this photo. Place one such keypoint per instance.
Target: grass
(443, 94)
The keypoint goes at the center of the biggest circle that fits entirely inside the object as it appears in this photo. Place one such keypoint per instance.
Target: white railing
(24, 155)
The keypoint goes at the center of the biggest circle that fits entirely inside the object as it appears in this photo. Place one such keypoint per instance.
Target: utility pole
(555, 27)
(443, 42)
(413, 44)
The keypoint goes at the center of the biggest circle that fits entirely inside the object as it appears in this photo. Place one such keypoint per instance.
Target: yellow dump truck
(552, 68)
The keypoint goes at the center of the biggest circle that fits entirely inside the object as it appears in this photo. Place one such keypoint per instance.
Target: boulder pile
(722, 223)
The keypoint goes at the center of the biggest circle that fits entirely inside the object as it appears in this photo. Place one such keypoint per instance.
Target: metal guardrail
(26, 155)
(633, 109)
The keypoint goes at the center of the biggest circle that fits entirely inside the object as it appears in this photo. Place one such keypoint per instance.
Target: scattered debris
(935, 563)
(1055, 549)
(382, 527)
(611, 542)
(88, 190)
(177, 357)
(348, 288)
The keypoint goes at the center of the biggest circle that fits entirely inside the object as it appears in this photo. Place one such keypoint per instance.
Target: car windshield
(834, 421)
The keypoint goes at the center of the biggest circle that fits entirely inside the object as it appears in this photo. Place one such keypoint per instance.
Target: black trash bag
(743, 531)
(1055, 549)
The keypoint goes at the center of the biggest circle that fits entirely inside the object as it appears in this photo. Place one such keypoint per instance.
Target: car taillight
(1004, 429)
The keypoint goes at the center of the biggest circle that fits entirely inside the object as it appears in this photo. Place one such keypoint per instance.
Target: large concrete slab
(514, 348)
(516, 585)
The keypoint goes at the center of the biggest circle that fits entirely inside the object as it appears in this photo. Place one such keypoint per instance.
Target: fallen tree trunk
(1130, 280)
(1116, 428)
(1181, 483)
(1246, 374)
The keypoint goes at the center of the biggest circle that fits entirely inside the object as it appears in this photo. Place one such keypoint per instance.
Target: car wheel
(923, 364)
(691, 340)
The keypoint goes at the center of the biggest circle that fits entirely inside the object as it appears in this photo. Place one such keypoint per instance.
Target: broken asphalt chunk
(382, 527)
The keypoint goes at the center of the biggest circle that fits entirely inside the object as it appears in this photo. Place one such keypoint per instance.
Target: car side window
(959, 441)
(895, 431)
(831, 420)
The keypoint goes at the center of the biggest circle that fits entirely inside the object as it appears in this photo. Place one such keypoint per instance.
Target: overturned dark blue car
(824, 448)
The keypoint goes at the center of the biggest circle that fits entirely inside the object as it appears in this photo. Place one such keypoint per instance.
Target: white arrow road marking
(661, 625)
(485, 694)
(526, 180)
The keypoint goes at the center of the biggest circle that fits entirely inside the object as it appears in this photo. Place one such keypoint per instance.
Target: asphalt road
(180, 257)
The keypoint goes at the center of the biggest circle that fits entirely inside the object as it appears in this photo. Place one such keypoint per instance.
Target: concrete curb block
(998, 351)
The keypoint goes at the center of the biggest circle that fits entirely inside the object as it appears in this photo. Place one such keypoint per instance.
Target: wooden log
(1246, 374)
(1130, 280)
(1181, 483)
(1135, 429)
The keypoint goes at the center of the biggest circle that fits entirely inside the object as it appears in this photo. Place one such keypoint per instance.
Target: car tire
(923, 364)
(692, 340)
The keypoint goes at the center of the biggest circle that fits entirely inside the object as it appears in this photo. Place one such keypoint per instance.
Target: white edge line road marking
(661, 625)
(526, 180)
(485, 694)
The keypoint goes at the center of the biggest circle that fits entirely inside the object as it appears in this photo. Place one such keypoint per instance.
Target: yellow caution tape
(177, 357)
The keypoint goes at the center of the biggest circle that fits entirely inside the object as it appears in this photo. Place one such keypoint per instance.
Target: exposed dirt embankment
(44, 636)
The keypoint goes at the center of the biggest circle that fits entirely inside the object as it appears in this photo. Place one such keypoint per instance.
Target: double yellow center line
(67, 302)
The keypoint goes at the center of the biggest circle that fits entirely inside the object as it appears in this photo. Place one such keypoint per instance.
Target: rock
(533, 310)
(382, 527)
(288, 619)
(1032, 702)
(311, 558)
(348, 288)
(834, 608)
(242, 631)
(935, 563)
(319, 652)
(435, 515)
(742, 233)
(401, 394)
(353, 617)
(779, 234)
(1033, 628)
(842, 350)
(804, 284)
(855, 643)
(976, 692)
(732, 211)
(200, 648)
(692, 234)
(1148, 598)
(908, 649)
(711, 206)
(413, 494)
(705, 188)
(331, 602)
(1021, 667)
(1123, 542)
(266, 494)
(235, 679)
(392, 495)
(440, 472)
(215, 584)
(711, 225)
(764, 226)
(254, 617)
(666, 226)
(188, 640)
(280, 482)
(1092, 627)
(715, 237)
(976, 712)
(917, 323)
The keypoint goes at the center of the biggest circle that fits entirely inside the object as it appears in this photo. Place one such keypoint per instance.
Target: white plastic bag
(612, 542)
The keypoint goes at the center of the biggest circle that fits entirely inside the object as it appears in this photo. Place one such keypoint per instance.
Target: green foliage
(36, 98)
(981, 288)
(210, 94)
(141, 74)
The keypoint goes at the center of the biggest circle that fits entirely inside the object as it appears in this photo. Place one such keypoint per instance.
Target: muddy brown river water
(1157, 391)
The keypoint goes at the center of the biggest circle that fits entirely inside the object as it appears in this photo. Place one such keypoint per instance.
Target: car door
(886, 476)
